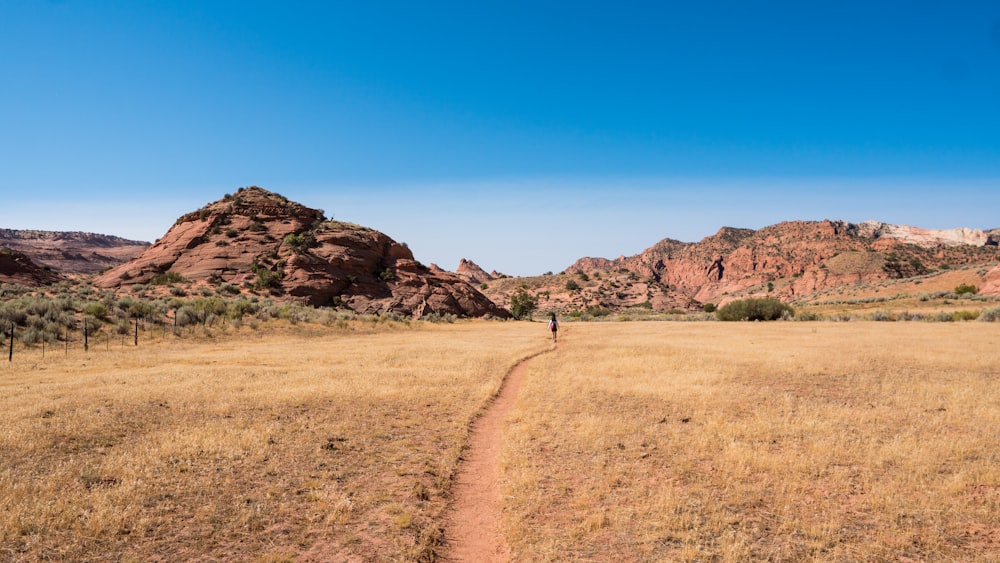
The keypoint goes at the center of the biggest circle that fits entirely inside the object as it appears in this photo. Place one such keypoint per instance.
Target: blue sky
(522, 135)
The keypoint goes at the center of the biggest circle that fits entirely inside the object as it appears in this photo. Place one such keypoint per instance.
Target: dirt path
(472, 527)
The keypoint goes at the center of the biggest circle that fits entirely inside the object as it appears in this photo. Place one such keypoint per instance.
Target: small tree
(523, 304)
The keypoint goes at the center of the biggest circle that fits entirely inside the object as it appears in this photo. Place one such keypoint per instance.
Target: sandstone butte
(256, 238)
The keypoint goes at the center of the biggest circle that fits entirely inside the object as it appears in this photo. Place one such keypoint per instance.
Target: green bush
(754, 309)
(571, 285)
(709, 307)
(966, 289)
(990, 315)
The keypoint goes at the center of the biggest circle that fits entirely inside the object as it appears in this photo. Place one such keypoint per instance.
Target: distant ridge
(72, 252)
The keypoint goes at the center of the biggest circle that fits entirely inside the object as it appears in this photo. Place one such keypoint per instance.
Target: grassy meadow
(294, 444)
(785, 441)
(636, 441)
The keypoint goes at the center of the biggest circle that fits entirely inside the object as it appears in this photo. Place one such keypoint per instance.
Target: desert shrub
(597, 311)
(943, 317)
(965, 315)
(96, 310)
(571, 285)
(228, 289)
(881, 316)
(300, 243)
(583, 276)
(709, 307)
(808, 316)
(966, 289)
(178, 292)
(387, 275)
(166, 278)
(990, 315)
(754, 309)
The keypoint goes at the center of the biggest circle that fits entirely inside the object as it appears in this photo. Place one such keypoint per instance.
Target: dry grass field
(823, 441)
(296, 443)
(652, 441)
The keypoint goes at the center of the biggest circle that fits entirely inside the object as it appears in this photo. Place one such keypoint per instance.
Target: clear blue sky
(522, 135)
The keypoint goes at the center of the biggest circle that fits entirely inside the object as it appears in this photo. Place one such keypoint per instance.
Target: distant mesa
(259, 239)
(72, 252)
(17, 268)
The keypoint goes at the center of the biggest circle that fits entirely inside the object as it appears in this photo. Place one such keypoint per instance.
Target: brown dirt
(472, 526)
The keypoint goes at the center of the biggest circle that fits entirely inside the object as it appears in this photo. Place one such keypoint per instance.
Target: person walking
(554, 326)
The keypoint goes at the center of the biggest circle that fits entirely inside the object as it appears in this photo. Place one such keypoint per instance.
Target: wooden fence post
(86, 337)
(137, 330)
(10, 354)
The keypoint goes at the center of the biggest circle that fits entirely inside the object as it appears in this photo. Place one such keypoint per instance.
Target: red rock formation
(261, 240)
(793, 258)
(17, 268)
(991, 282)
(472, 273)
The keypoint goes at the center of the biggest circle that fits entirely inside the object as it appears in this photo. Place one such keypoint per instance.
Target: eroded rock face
(796, 258)
(258, 239)
(17, 268)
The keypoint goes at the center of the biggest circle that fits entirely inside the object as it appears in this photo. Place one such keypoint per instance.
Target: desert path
(472, 526)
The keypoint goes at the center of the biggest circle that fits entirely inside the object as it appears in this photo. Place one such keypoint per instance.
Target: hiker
(716, 264)
(554, 326)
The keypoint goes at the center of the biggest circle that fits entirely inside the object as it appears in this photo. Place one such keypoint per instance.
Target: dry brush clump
(786, 441)
(290, 442)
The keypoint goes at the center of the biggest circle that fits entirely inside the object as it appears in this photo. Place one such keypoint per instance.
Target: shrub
(387, 275)
(709, 307)
(300, 243)
(166, 278)
(571, 285)
(966, 289)
(990, 315)
(754, 309)
(808, 316)
(965, 315)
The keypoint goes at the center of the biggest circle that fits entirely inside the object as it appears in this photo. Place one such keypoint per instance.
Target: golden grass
(750, 441)
(278, 445)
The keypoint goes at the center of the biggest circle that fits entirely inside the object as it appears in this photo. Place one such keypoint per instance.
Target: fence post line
(137, 330)
(86, 337)
(10, 353)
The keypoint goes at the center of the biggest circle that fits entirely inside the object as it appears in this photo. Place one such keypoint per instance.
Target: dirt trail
(472, 527)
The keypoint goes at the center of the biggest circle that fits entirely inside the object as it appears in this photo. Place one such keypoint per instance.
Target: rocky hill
(17, 268)
(260, 241)
(788, 260)
(72, 252)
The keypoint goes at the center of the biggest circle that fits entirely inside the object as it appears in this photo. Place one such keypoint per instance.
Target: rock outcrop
(72, 252)
(261, 241)
(17, 268)
(472, 273)
(991, 282)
